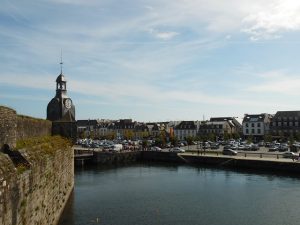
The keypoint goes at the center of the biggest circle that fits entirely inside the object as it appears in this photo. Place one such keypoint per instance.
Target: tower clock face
(68, 103)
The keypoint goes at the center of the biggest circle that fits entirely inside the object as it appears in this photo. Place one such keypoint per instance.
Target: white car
(177, 149)
(290, 155)
(155, 148)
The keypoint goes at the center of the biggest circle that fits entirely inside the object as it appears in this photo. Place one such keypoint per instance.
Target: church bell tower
(61, 110)
(61, 106)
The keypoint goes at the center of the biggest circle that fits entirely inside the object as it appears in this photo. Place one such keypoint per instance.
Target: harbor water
(146, 194)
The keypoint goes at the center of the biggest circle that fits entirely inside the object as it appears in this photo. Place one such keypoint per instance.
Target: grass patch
(47, 144)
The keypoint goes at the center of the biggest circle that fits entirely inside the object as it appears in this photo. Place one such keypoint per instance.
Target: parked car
(290, 155)
(177, 149)
(227, 147)
(254, 147)
(273, 148)
(229, 152)
(283, 148)
(155, 148)
(242, 147)
(214, 146)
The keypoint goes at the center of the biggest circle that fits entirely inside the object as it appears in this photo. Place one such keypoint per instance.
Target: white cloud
(270, 22)
(166, 35)
(163, 35)
(277, 83)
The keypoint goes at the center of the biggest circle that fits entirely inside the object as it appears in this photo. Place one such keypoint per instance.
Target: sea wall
(153, 156)
(36, 193)
(106, 158)
(272, 165)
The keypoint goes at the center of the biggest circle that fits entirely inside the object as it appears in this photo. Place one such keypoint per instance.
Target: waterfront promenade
(258, 160)
(261, 154)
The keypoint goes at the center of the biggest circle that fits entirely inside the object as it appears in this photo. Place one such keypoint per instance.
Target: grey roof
(255, 117)
(83, 123)
(61, 78)
(186, 125)
(286, 114)
(232, 120)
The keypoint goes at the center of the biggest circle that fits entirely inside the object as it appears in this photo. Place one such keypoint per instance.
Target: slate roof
(281, 114)
(85, 123)
(186, 125)
(255, 117)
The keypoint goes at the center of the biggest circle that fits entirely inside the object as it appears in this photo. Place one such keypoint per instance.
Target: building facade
(186, 129)
(256, 125)
(285, 123)
(216, 128)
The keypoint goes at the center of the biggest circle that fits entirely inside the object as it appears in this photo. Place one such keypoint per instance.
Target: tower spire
(61, 62)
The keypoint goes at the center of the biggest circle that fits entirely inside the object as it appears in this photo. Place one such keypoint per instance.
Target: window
(258, 125)
(247, 131)
(285, 123)
(252, 131)
(279, 123)
(258, 131)
(296, 124)
(290, 124)
(252, 124)
(247, 125)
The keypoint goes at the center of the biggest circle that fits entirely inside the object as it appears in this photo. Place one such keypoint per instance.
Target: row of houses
(282, 124)
(120, 129)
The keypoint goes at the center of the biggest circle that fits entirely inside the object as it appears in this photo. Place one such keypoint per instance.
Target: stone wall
(15, 127)
(8, 125)
(28, 127)
(38, 194)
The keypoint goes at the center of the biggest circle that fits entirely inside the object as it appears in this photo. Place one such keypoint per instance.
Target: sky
(151, 60)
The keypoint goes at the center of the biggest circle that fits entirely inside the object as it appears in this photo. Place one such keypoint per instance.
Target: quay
(242, 161)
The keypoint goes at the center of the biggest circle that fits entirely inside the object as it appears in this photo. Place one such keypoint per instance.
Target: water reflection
(177, 195)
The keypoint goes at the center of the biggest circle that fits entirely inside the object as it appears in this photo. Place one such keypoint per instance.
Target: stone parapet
(8, 127)
(36, 194)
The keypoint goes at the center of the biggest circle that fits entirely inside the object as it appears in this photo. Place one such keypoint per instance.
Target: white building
(186, 129)
(256, 125)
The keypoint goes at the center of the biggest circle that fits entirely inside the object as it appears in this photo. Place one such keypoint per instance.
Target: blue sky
(152, 60)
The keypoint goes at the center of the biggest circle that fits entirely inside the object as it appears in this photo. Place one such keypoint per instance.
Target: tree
(291, 140)
(128, 134)
(236, 135)
(145, 144)
(189, 140)
(92, 134)
(249, 139)
(298, 136)
(174, 140)
(212, 137)
(226, 136)
(268, 138)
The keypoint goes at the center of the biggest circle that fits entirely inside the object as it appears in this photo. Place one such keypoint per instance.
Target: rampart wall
(36, 194)
(15, 127)
(36, 171)
(8, 126)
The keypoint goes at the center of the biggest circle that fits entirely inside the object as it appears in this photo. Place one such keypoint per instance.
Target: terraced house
(186, 129)
(216, 128)
(256, 125)
(285, 123)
